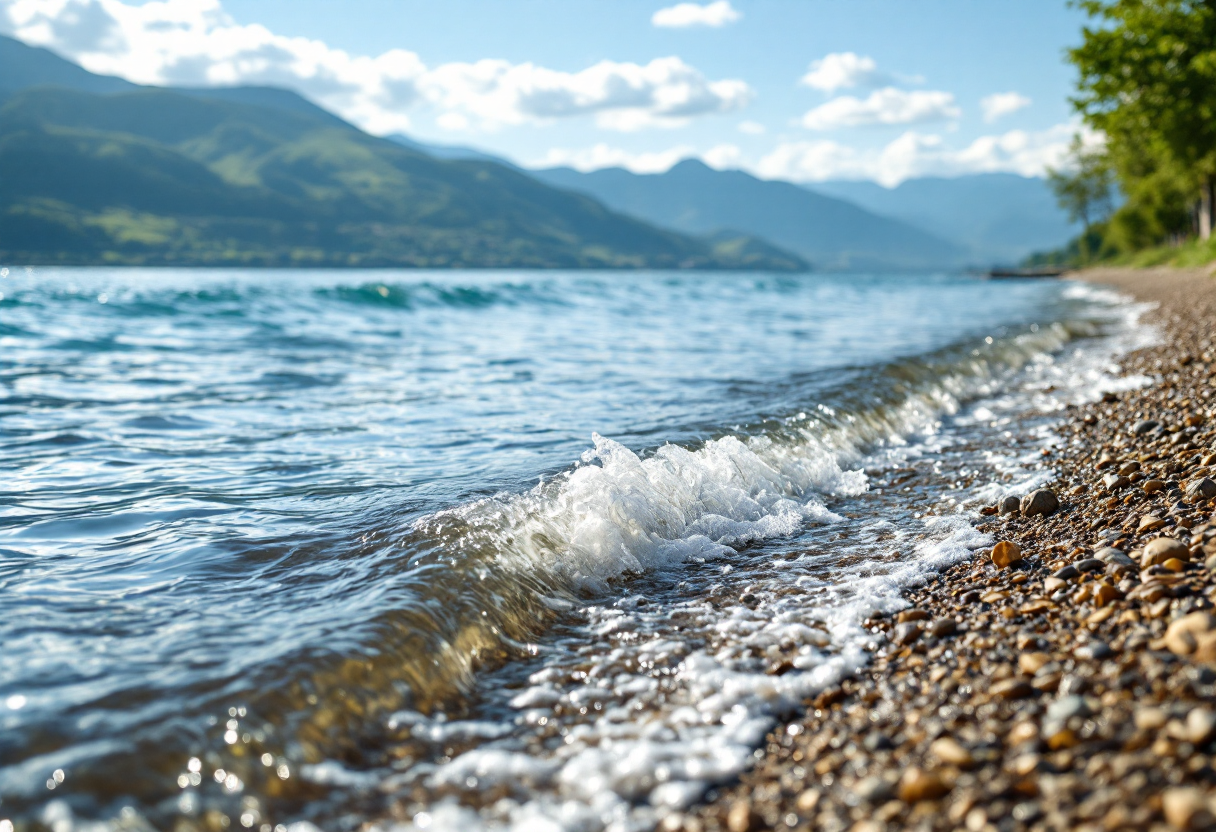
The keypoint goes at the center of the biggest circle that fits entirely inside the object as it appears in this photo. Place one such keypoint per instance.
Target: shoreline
(1068, 689)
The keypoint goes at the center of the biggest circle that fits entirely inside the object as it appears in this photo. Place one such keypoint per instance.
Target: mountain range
(994, 217)
(976, 220)
(696, 199)
(97, 170)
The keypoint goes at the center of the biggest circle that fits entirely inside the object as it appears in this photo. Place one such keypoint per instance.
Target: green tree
(1148, 81)
(1083, 185)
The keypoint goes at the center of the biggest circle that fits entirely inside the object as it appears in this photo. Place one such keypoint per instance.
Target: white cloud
(196, 42)
(604, 156)
(453, 121)
(752, 128)
(723, 156)
(887, 106)
(844, 70)
(622, 96)
(1002, 104)
(656, 161)
(915, 154)
(683, 15)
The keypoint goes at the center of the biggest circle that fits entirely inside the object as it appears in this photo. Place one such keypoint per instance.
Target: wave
(482, 580)
(432, 295)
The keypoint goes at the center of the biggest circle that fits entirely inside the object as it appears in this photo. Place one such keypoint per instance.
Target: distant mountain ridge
(989, 218)
(996, 217)
(101, 170)
(831, 233)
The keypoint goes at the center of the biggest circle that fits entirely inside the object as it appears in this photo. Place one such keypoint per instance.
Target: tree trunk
(1205, 209)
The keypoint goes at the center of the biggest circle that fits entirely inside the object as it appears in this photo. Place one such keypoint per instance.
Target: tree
(1083, 185)
(1148, 82)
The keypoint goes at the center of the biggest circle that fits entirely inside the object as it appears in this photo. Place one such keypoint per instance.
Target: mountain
(996, 217)
(829, 232)
(22, 67)
(99, 170)
(448, 151)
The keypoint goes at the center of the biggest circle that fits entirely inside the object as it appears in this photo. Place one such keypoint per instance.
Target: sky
(802, 90)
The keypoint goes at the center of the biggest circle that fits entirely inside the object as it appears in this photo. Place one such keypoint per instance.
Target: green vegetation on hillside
(164, 177)
(1147, 84)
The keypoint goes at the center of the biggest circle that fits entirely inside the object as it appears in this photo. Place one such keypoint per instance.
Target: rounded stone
(1005, 553)
(917, 785)
(1204, 489)
(1044, 502)
(1160, 549)
(1145, 426)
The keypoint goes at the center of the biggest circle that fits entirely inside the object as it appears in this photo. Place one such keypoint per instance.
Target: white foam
(618, 513)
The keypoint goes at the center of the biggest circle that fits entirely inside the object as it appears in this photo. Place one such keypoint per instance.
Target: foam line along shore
(1063, 678)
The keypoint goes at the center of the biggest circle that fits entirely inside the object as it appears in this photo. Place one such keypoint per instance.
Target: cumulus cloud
(604, 156)
(723, 156)
(621, 96)
(655, 161)
(841, 70)
(752, 128)
(187, 42)
(1002, 104)
(684, 15)
(915, 154)
(887, 106)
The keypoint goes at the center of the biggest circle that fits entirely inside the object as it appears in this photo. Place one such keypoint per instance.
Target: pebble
(1186, 808)
(1093, 651)
(1204, 489)
(1030, 663)
(917, 785)
(1043, 501)
(1113, 557)
(1006, 553)
(906, 633)
(874, 789)
(1066, 707)
(1014, 688)
(1200, 726)
(1160, 549)
(1010, 505)
(943, 627)
(1145, 426)
(1149, 523)
(951, 752)
(741, 817)
(1183, 636)
(807, 800)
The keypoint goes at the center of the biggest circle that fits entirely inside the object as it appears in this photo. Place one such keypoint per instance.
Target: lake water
(455, 550)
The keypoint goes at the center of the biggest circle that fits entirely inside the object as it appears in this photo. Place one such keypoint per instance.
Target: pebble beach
(1064, 678)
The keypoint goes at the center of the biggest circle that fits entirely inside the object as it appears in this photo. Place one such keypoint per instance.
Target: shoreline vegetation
(1062, 679)
(1142, 179)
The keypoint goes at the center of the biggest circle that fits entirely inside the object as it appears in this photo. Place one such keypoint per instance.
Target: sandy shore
(1062, 680)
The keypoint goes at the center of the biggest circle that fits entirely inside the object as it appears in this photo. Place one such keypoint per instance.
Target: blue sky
(794, 89)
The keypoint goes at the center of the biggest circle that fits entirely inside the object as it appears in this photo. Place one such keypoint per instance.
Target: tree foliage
(1147, 81)
(1083, 186)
